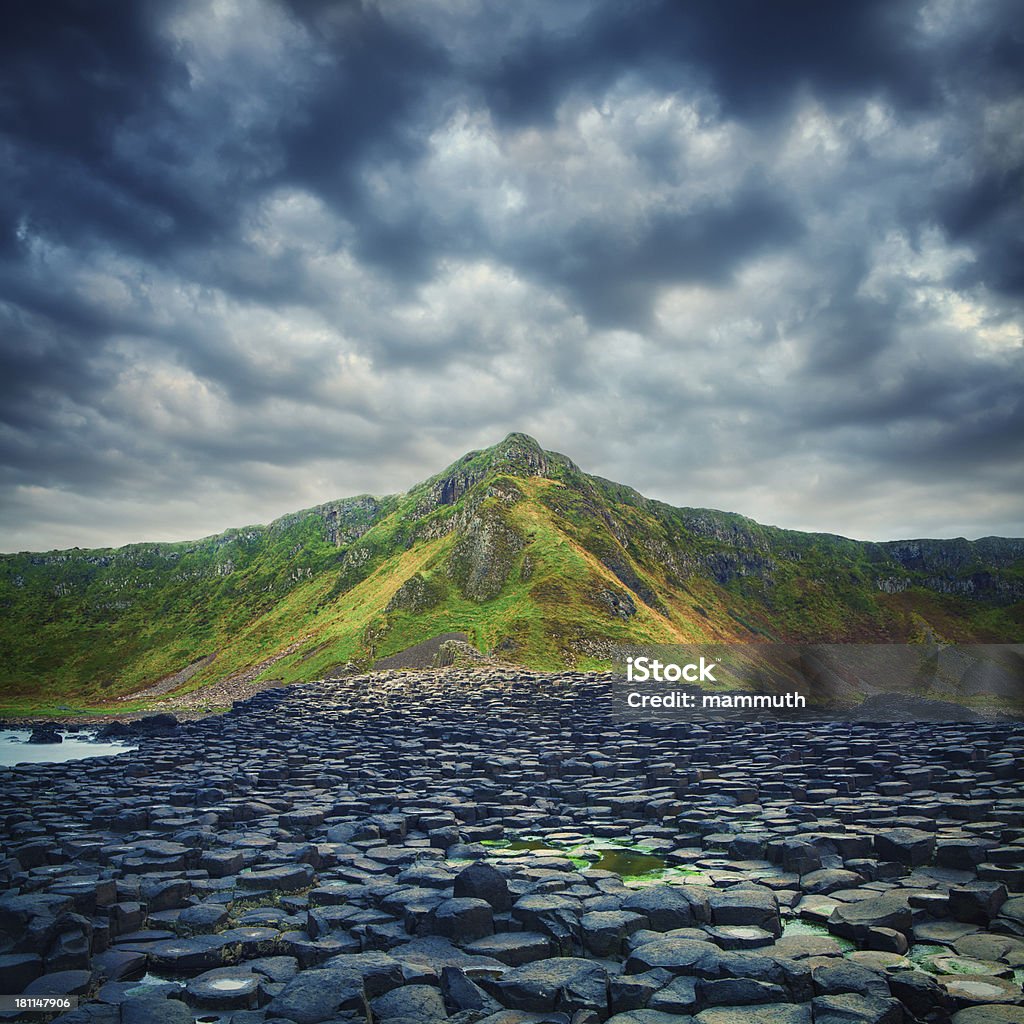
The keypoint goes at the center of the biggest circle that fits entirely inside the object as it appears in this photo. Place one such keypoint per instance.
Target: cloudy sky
(766, 257)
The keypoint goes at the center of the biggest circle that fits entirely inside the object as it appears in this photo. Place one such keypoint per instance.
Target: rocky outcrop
(620, 605)
(417, 594)
(483, 556)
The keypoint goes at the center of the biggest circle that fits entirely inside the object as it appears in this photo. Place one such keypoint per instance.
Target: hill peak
(519, 455)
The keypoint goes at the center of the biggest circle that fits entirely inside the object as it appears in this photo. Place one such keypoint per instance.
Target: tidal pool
(15, 748)
(797, 926)
(635, 864)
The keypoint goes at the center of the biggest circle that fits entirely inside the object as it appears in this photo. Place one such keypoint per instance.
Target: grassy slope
(312, 590)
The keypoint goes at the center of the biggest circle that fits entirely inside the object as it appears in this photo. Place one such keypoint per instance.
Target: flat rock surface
(493, 845)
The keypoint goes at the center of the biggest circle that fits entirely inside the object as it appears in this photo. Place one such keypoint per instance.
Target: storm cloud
(760, 257)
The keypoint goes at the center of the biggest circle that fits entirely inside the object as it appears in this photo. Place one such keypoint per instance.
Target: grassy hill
(534, 560)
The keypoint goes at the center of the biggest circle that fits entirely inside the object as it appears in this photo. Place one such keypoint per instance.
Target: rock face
(483, 556)
(416, 594)
(346, 852)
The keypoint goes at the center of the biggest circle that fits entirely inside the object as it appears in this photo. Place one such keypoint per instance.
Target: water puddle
(634, 863)
(797, 926)
(15, 748)
(921, 952)
(229, 984)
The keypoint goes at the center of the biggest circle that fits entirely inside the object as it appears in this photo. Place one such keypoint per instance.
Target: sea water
(15, 748)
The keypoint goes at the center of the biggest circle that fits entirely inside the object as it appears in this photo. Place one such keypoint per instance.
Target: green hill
(534, 560)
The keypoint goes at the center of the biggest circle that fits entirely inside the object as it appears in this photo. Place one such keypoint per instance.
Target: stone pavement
(426, 847)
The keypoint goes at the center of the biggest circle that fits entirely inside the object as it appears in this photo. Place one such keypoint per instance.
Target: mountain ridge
(535, 560)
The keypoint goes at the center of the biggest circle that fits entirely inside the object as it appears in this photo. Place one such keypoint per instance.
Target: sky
(762, 257)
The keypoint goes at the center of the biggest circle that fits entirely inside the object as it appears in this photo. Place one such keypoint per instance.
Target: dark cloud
(988, 214)
(752, 54)
(612, 272)
(256, 255)
(76, 74)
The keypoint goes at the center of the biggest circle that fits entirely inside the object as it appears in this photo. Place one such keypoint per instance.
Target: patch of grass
(291, 600)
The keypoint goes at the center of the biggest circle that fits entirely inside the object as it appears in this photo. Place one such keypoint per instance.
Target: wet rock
(45, 733)
(853, 1009)
(979, 990)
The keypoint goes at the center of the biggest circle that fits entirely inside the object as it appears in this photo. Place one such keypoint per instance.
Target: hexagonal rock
(972, 990)
(739, 936)
(221, 863)
(977, 902)
(775, 1013)
(848, 977)
(59, 983)
(155, 1010)
(626, 1017)
(826, 880)
(224, 988)
(554, 915)
(483, 882)
(854, 1009)
(513, 948)
(202, 952)
(165, 894)
(463, 919)
(908, 846)
(989, 1015)
(604, 931)
(286, 877)
(853, 920)
(564, 983)
(918, 991)
(693, 958)
(670, 906)
(738, 992)
(314, 996)
(411, 1002)
(18, 969)
(746, 905)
